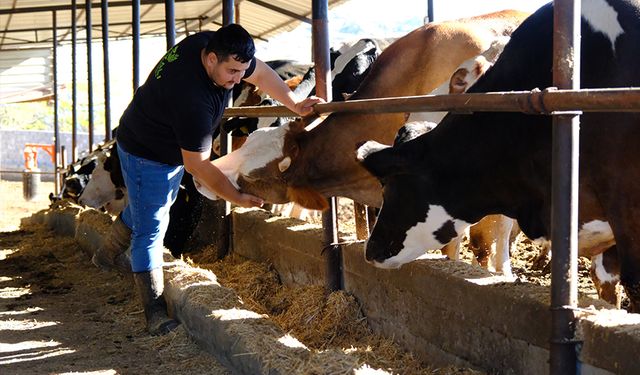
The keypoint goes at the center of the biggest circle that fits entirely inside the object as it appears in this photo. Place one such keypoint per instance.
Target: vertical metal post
(89, 73)
(170, 22)
(63, 156)
(224, 224)
(74, 88)
(564, 198)
(320, 34)
(430, 11)
(105, 63)
(56, 127)
(135, 39)
(227, 19)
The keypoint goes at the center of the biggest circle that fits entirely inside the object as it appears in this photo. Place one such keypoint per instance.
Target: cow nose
(372, 252)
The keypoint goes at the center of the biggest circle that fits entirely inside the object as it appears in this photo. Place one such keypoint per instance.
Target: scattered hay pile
(330, 325)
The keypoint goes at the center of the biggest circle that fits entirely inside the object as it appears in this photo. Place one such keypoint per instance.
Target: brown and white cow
(307, 164)
(505, 158)
(292, 163)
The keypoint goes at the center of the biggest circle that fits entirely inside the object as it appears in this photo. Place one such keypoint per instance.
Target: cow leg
(605, 274)
(629, 261)
(452, 249)
(490, 240)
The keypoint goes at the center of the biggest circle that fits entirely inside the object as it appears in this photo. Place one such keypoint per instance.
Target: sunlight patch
(490, 280)
(28, 310)
(236, 314)
(291, 342)
(23, 325)
(34, 355)
(26, 345)
(11, 292)
(4, 253)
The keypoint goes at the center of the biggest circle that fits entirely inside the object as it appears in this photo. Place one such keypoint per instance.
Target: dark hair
(232, 40)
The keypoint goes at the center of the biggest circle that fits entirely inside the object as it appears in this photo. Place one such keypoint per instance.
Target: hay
(256, 283)
(97, 220)
(332, 326)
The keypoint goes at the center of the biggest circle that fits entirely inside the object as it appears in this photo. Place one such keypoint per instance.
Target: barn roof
(29, 23)
(26, 31)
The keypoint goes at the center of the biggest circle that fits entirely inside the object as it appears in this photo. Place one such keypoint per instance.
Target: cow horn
(284, 164)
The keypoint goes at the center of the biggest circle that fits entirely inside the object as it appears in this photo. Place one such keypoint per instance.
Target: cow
(105, 188)
(77, 175)
(472, 165)
(305, 165)
(77, 178)
(291, 163)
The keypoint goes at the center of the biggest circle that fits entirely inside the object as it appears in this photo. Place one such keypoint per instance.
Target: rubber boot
(113, 252)
(150, 286)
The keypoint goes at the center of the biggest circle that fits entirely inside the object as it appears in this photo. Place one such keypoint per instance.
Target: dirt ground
(60, 315)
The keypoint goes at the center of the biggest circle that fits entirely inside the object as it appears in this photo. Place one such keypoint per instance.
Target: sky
(381, 19)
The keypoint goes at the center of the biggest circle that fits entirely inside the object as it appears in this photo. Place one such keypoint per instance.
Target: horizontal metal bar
(534, 102)
(96, 27)
(25, 171)
(49, 8)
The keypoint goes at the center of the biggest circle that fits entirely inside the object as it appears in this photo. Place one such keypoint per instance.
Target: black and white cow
(472, 165)
(105, 187)
(350, 64)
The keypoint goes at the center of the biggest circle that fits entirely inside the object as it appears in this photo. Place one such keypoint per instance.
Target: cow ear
(284, 164)
(307, 198)
(458, 82)
(381, 160)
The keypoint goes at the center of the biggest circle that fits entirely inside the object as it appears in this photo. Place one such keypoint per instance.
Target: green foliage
(39, 116)
(26, 116)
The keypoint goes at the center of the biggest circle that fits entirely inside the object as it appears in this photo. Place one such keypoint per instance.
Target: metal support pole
(430, 11)
(564, 192)
(89, 73)
(74, 86)
(223, 224)
(105, 63)
(56, 127)
(135, 39)
(170, 22)
(227, 19)
(320, 34)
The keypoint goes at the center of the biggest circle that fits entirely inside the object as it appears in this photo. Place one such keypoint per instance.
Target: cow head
(106, 185)
(261, 165)
(408, 224)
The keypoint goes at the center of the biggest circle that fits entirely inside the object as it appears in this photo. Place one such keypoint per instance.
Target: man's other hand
(305, 106)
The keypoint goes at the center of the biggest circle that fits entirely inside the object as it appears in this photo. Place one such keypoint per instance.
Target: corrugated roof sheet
(29, 23)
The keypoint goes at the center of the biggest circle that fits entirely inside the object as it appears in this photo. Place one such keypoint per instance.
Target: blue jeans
(152, 187)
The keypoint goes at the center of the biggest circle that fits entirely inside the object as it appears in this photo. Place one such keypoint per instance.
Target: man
(167, 128)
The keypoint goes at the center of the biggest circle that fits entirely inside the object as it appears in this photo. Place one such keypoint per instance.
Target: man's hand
(305, 106)
(212, 183)
(248, 200)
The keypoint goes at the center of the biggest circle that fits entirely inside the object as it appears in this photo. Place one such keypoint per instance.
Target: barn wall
(445, 312)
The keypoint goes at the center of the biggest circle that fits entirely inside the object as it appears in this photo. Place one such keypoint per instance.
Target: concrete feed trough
(445, 312)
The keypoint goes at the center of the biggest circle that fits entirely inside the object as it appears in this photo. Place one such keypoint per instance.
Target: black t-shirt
(177, 107)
